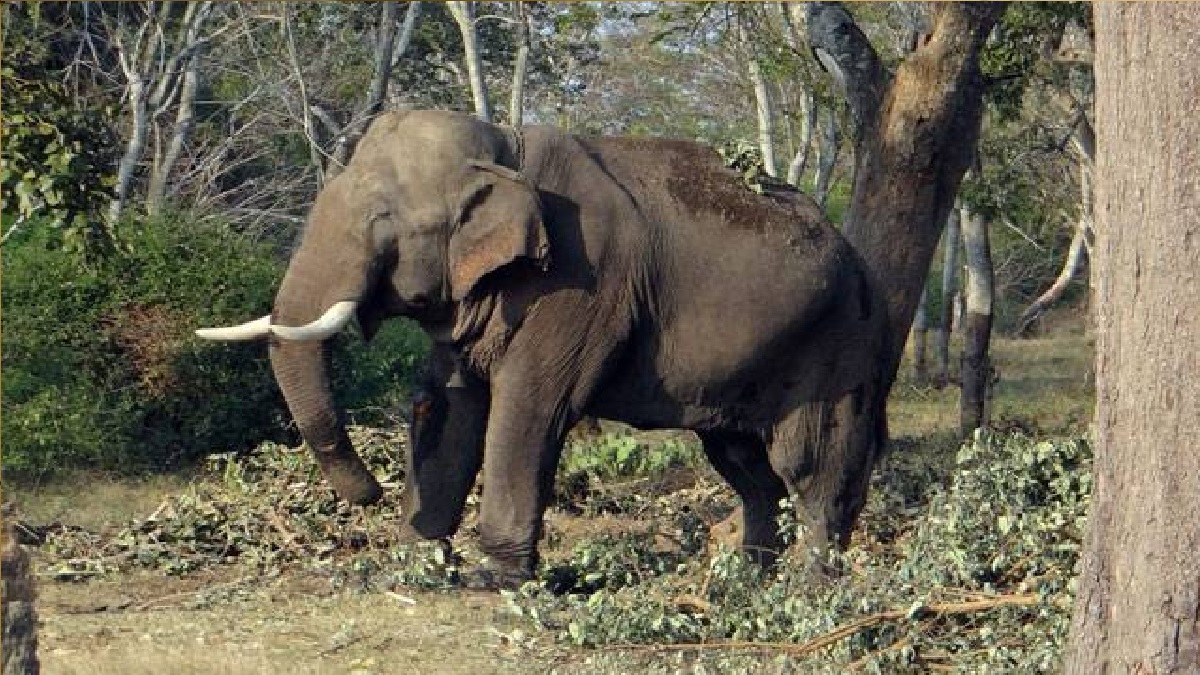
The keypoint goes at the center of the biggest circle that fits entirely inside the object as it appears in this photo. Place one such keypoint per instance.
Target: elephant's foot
(497, 575)
(350, 477)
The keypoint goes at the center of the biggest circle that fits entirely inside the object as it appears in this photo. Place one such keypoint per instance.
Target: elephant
(557, 275)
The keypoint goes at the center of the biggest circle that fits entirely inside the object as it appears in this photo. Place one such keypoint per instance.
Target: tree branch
(844, 51)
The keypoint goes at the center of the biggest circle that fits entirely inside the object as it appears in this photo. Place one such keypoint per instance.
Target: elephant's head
(430, 206)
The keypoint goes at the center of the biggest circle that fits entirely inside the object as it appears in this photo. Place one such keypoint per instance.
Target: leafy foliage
(264, 510)
(1014, 59)
(101, 369)
(58, 157)
(623, 455)
(973, 570)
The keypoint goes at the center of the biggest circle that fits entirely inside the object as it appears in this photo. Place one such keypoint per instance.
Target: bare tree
(155, 51)
(385, 58)
(1137, 609)
(1083, 144)
(808, 121)
(464, 16)
(976, 369)
(806, 101)
(914, 137)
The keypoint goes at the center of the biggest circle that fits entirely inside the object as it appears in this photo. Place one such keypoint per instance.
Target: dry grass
(93, 500)
(1044, 386)
(269, 627)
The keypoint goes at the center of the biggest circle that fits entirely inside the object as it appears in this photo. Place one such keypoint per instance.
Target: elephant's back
(684, 182)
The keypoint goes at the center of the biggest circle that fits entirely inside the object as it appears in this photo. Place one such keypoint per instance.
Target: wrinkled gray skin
(629, 279)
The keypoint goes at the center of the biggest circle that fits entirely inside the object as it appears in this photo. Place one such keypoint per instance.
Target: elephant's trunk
(316, 303)
(302, 373)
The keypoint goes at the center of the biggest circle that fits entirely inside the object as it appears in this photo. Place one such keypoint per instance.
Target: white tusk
(333, 320)
(251, 330)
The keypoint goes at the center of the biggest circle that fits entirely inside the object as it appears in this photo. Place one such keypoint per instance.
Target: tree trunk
(464, 16)
(827, 152)
(516, 102)
(914, 137)
(1076, 255)
(135, 145)
(17, 605)
(1138, 605)
(762, 98)
(951, 241)
(976, 373)
(157, 71)
(808, 120)
(918, 338)
(185, 116)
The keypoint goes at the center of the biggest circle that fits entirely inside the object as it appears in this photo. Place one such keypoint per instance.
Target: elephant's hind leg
(741, 459)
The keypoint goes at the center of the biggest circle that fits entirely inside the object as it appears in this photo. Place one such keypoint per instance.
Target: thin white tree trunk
(976, 364)
(185, 116)
(464, 16)
(766, 118)
(808, 119)
(827, 152)
(406, 31)
(516, 100)
(156, 74)
(951, 241)
(134, 146)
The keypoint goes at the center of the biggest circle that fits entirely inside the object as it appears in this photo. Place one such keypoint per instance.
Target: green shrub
(101, 369)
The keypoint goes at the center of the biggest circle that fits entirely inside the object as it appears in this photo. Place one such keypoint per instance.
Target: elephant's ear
(500, 221)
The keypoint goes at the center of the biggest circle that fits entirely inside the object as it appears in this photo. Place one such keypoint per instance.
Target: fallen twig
(176, 596)
(842, 632)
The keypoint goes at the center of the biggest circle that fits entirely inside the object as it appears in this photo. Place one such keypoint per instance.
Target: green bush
(101, 369)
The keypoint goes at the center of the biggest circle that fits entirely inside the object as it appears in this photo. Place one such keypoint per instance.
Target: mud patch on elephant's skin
(697, 179)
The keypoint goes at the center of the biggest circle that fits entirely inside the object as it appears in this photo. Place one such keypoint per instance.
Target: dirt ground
(150, 623)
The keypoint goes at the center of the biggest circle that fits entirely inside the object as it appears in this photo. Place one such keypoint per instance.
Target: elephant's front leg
(445, 447)
(524, 439)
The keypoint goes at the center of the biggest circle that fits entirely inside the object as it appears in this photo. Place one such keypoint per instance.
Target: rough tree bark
(1083, 144)
(951, 241)
(19, 642)
(976, 368)
(1138, 605)
(464, 16)
(914, 137)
